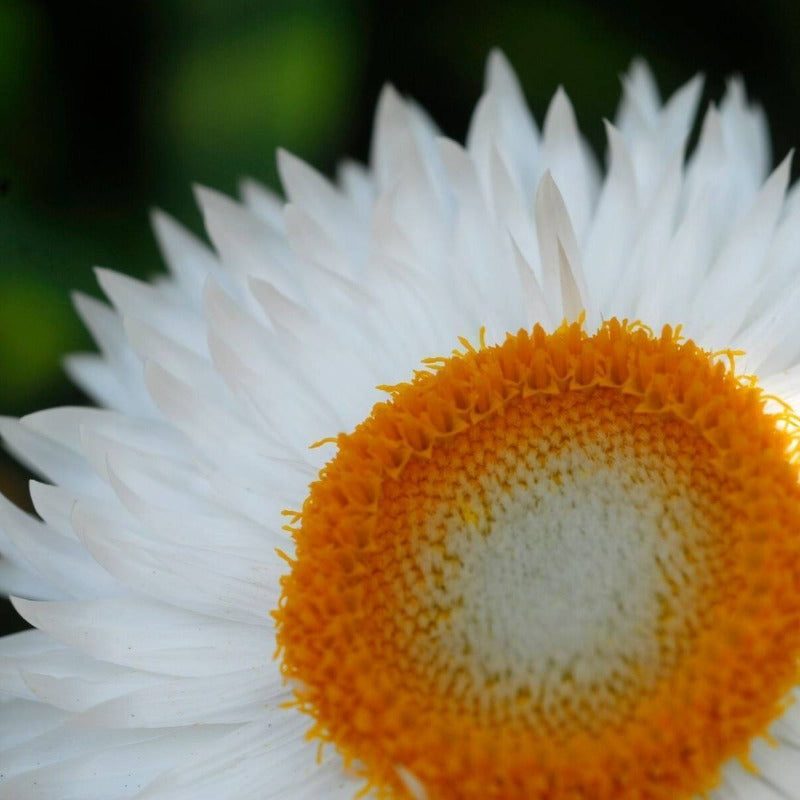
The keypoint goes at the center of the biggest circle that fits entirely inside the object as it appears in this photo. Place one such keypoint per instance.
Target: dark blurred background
(107, 109)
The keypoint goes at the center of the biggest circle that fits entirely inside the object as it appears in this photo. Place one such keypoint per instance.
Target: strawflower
(473, 474)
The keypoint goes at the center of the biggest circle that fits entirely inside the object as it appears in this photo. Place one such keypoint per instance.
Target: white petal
(615, 221)
(63, 563)
(143, 301)
(562, 275)
(640, 101)
(502, 123)
(262, 201)
(655, 135)
(356, 182)
(189, 260)
(643, 273)
(24, 720)
(403, 143)
(729, 284)
(123, 380)
(138, 632)
(87, 765)
(567, 157)
(308, 190)
(248, 245)
(73, 682)
(265, 759)
(94, 376)
(238, 697)
(209, 581)
(48, 458)
(18, 579)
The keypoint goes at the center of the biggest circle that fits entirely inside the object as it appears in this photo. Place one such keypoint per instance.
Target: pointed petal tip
(24, 608)
(697, 81)
(547, 186)
(499, 71)
(105, 276)
(77, 298)
(560, 120)
(735, 91)
(389, 93)
(617, 148)
(86, 304)
(284, 158)
(248, 185)
(293, 169)
(158, 217)
(496, 56)
(786, 162)
(207, 198)
(390, 102)
(639, 74)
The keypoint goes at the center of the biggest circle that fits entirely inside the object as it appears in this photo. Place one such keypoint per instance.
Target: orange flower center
(566, 566)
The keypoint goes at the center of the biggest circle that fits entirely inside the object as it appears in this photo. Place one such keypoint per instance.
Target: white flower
(563, 567)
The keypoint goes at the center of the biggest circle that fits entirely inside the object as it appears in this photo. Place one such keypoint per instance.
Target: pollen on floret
(564, 566)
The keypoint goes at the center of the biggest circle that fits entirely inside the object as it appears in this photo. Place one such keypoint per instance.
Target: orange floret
(390, 652)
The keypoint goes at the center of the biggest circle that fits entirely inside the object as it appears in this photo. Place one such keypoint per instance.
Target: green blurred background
(107, 109)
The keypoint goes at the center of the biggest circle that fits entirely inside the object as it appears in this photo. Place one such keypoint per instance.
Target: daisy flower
(473, 474)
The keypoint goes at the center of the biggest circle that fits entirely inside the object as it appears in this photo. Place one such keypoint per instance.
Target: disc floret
(562, 566)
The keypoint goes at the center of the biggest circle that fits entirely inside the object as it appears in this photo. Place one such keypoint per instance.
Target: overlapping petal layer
(152, 571)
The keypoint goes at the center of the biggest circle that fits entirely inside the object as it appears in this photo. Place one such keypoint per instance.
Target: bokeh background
(108, 109)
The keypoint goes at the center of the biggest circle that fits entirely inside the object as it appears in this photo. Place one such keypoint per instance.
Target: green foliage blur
(109, 109)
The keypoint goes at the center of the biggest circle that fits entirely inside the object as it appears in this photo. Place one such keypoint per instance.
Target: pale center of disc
(567, 580)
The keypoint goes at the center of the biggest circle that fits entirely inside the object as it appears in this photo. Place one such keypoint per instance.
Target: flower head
(494, 448)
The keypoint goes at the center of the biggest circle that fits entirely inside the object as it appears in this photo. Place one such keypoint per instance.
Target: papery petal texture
(153, 567)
